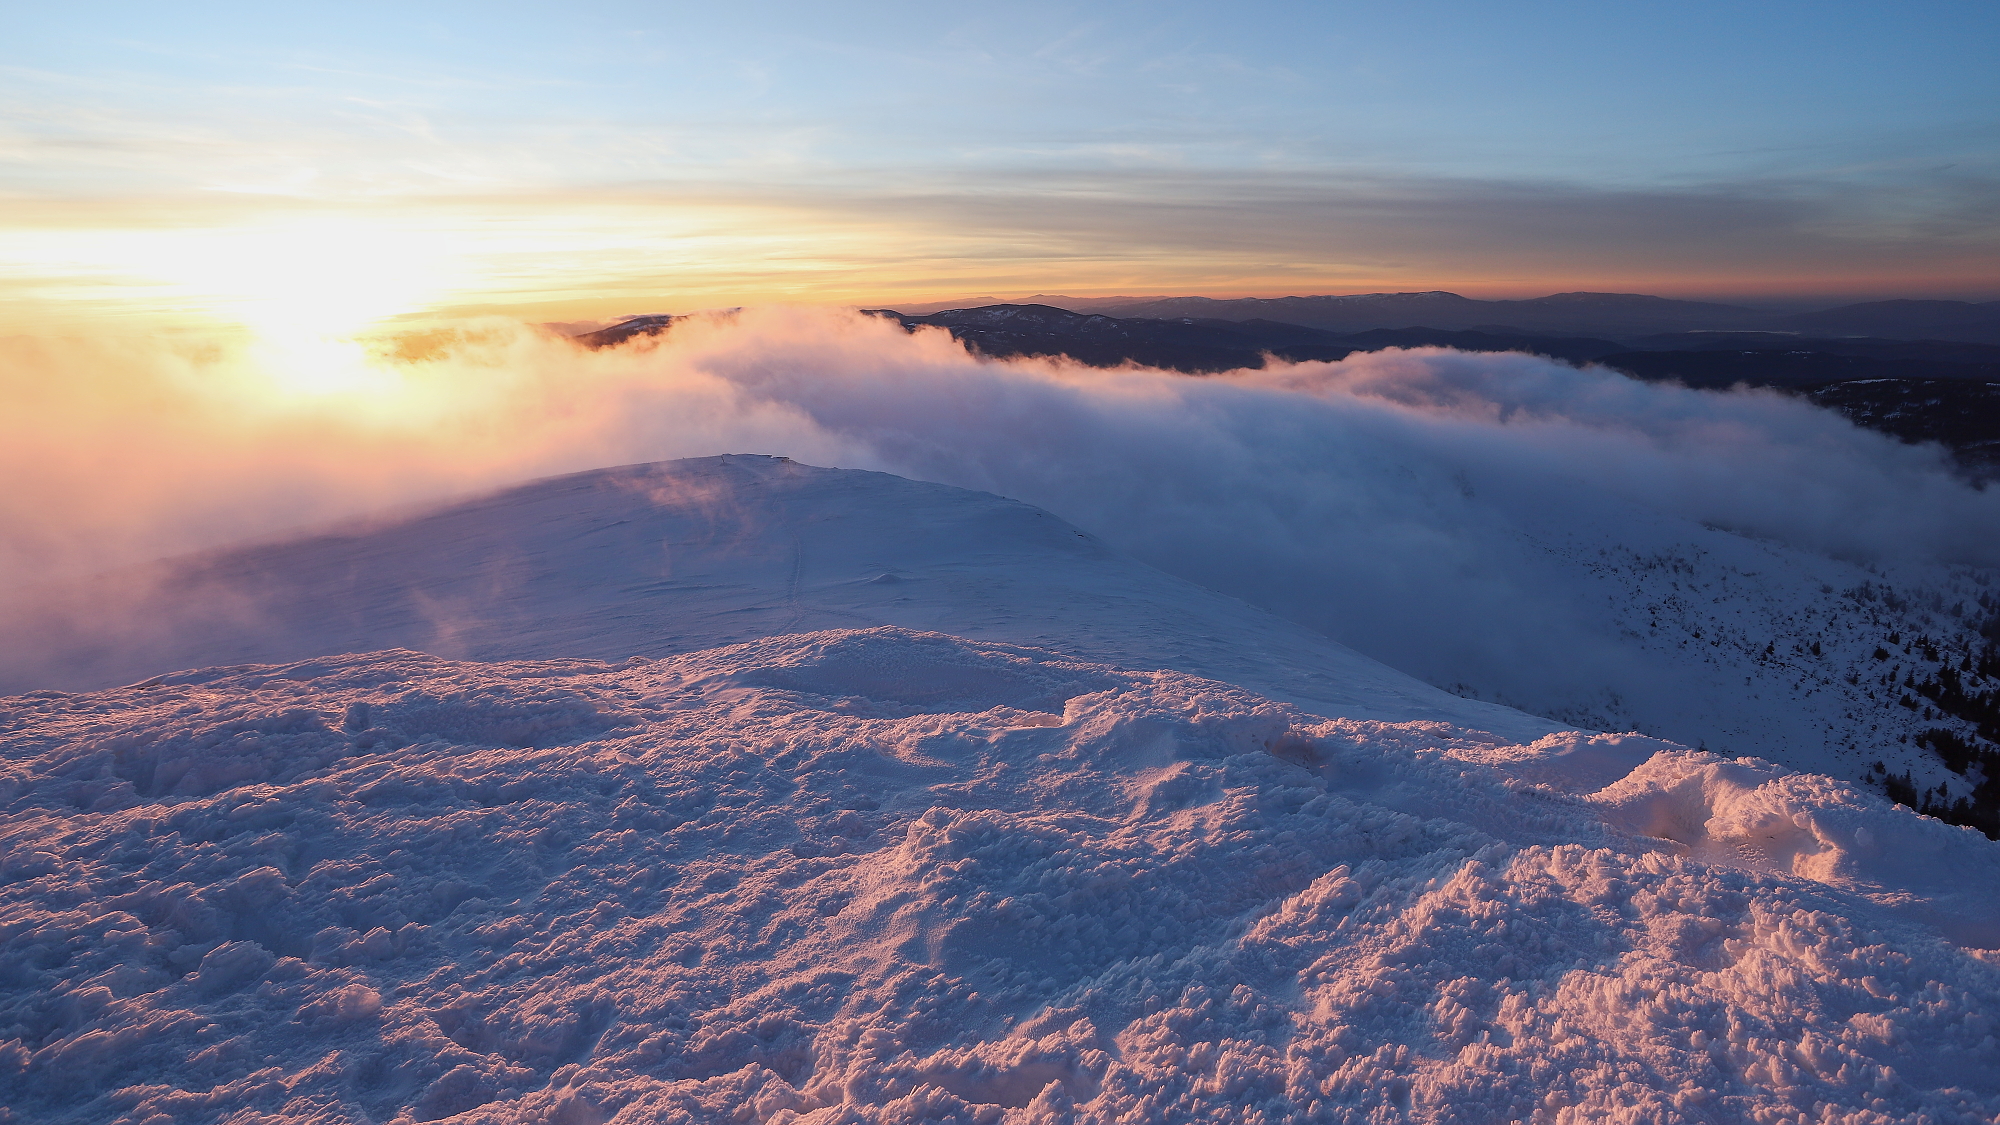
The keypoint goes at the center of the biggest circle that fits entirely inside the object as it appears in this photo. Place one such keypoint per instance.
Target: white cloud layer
(1429, 507)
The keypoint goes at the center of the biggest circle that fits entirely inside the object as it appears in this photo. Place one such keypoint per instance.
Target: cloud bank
(1415, 504)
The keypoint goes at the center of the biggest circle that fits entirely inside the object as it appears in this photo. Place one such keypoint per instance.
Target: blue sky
(1693, 148)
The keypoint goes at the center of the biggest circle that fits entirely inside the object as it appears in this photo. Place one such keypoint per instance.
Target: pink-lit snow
(1119, 850)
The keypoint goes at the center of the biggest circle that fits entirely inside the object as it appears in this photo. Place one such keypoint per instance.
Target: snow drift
(895, 876)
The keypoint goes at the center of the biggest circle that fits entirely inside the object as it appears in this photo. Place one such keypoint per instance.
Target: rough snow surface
(895, 876)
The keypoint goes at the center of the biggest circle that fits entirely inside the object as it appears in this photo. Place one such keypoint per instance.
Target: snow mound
(678, 556)
(1574, 761)
(1750, 813)
(886, 876)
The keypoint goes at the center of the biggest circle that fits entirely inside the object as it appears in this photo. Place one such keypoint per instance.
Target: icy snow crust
(887, 875)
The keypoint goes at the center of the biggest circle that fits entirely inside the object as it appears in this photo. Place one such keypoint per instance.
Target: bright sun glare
(304, 287)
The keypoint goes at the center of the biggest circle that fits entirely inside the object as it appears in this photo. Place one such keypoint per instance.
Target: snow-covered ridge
(858, 799)
(1741, 643)
(895, 876)
(1613, 554)
(651, 560)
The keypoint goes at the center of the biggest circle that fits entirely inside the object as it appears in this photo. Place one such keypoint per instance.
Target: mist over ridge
(1466, 518)
(855, 798)
(1451, 578)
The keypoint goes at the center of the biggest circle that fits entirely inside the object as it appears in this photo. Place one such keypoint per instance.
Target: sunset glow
(317, 176)
(1030, 563)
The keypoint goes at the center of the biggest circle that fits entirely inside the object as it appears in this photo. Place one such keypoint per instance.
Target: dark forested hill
(1562, 314)
(1910, 320)
(1916, 390)
(1198, 345)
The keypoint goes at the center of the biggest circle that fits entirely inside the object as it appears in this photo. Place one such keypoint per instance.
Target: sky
(312, 166)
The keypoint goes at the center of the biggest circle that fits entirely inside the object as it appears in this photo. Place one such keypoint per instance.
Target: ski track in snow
(896, 876)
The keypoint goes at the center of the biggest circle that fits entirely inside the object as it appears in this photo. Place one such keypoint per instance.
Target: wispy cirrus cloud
(863, 238)
(587, 166)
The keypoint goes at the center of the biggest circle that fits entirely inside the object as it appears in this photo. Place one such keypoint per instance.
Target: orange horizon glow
(290, 271)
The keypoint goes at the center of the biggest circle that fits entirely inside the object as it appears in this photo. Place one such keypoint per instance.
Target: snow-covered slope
(1571, 542)
(650, 560)
(1750, 646)
(737, 790)
(894, 876)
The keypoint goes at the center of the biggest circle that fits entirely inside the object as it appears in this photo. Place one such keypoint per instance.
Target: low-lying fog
(1403, 501)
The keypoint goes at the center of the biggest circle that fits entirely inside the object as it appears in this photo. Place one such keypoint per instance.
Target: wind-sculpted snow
(890, 876)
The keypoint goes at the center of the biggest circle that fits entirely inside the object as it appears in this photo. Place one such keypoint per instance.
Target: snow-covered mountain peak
(737, 789)
(651, 560)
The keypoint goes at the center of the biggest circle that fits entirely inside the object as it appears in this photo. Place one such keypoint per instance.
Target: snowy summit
(736, 790)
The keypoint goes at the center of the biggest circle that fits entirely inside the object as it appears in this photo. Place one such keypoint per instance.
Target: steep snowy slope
(1748, 646)
(656, 559)
(888, 877)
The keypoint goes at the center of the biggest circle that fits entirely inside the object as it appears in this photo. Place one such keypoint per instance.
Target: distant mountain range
(1618, 316)
(1913, 389)
(1598, 314)
(1202, 344)
(1907, 320)
(1920, 370)
(1199, 345)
